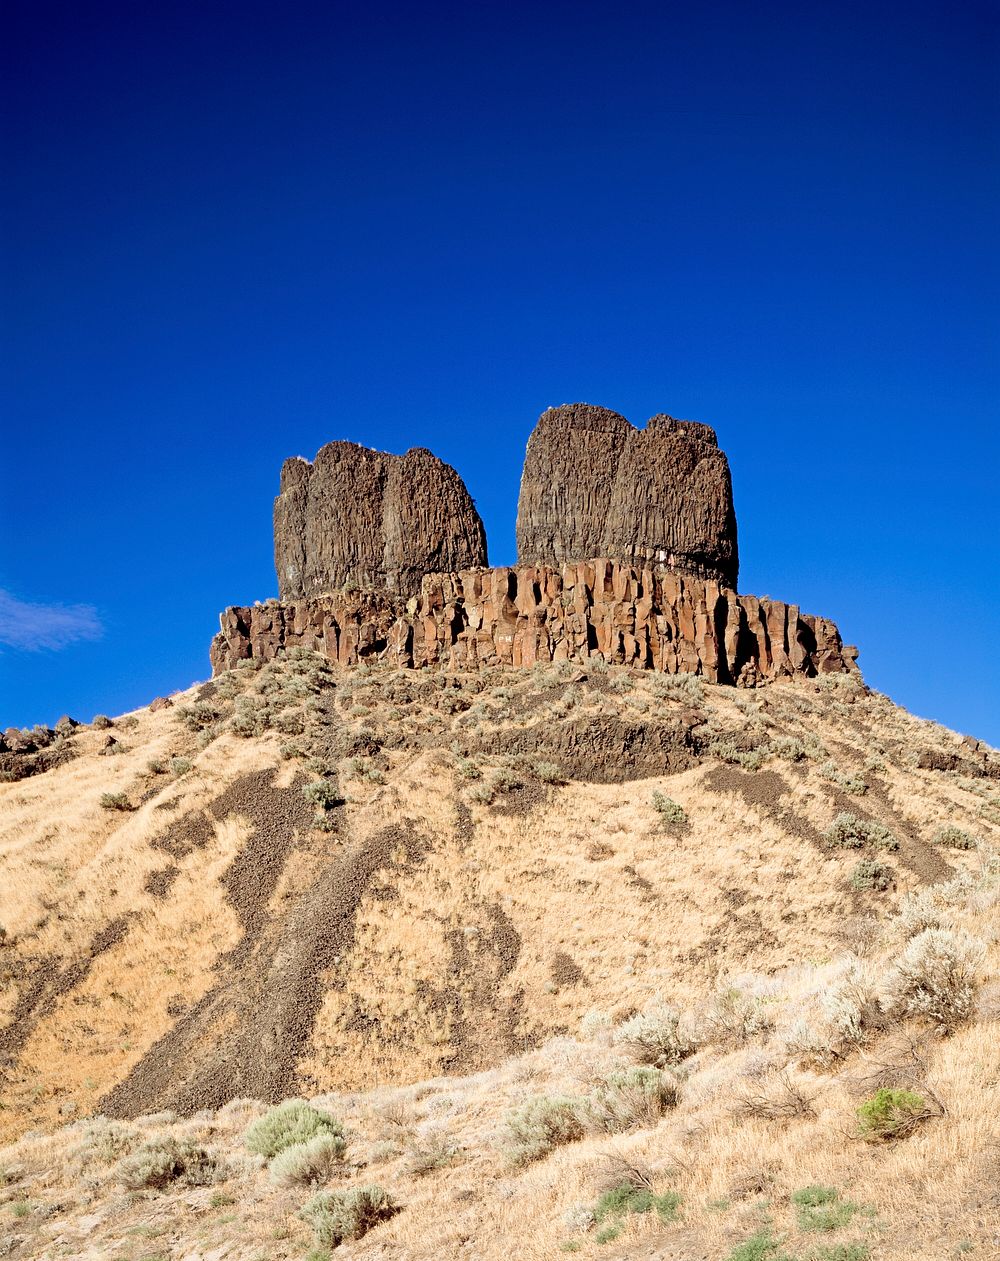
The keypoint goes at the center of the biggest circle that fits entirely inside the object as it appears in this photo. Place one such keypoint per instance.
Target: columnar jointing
(368, 519)
(627, 547)
(606, 610)
(594, 485)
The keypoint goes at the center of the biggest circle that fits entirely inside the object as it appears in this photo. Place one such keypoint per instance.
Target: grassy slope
(434, 932)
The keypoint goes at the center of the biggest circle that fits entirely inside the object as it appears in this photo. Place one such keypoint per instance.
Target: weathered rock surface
(362, 517)
(594, 485)
(647, 617)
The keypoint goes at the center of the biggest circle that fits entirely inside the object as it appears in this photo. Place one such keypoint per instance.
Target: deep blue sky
(232, 233)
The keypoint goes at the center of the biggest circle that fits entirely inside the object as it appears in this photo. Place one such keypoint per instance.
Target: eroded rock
(646, 617)
(367, 519)
(595, 486)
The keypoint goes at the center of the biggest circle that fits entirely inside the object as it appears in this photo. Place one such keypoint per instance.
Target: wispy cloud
(52, 626)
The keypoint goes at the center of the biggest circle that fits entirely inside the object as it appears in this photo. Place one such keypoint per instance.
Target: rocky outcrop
(594, 485)
(368, 519)
(645, 617)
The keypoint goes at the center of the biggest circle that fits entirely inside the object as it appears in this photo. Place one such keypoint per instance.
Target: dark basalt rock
(595, 486)
(367, 519)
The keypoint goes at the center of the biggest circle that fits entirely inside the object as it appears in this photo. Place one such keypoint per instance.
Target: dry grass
(474, 962)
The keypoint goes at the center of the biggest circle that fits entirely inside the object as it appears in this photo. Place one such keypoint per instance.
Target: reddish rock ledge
(646, 617)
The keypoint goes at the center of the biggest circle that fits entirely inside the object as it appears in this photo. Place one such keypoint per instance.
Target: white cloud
(53, 626)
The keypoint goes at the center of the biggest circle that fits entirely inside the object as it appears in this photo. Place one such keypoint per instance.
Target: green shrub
(106, 1141)
(637, 1097)
(290, 723)
(101, 721)
(628, 1198)
(789, 748)
(955, 838)
(156, 766)
(854, 784)
(821, 1208)
(549, 773)
(890, 1113)
(311, 1161)
(654, 1037)
(321, 793)
(541, 1125)
(668, 810)
(871, 874)
(338, 1215)
(935, 977)
(726, 749)
(116, 801)
(247, 723)
(180, 766)
(291, 1122)
(198, 715)
(847, 831)
(761, 1246)
(678, 687)
(162, 1161)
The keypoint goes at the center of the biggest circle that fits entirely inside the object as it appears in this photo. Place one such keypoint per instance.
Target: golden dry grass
(455, 964)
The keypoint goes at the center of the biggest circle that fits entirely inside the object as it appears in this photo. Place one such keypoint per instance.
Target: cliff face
(593, 485)
(648, 618)
(375, 520)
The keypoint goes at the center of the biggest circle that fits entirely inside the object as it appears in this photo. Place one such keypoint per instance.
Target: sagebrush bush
(954, 838)
(668, 809)
(726, 749)
(854, 784)
(338, 1215)
(101, 721)
(321, 793)
(654, 1037)
(735, 1016)
(872, 874)
(635, 1098)
(180, 765)
(549, 773)
(106, 1141)
(847, 831)
(890, 1113)
(311, 1161)
(115, 801)
(789, 748)
(156, 766)
(542, 1124)
(678, 687)
(291, 1122)
(162, 1161)
(935, 977)
(197, 715)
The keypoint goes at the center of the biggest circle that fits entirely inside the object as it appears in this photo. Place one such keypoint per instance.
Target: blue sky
(232, 233)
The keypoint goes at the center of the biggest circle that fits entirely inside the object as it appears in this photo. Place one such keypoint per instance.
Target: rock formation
(362, 517)
(608, 610)
(594, 486)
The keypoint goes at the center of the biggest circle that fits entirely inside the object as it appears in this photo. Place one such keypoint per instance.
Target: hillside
(423, 900)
